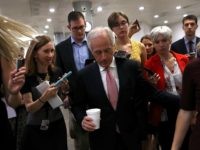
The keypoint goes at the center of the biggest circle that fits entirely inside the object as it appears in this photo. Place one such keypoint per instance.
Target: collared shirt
(113, 69)
(187, 45)
(80, 52)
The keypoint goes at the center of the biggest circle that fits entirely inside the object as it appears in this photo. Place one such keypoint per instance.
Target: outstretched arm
(182, 125)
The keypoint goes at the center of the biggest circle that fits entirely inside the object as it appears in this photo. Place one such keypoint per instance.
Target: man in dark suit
(187, 45)
(122, 122)
(71, 56)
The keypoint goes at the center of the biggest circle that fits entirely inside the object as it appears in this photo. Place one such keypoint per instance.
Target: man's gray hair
(165, 31)
(99, 31)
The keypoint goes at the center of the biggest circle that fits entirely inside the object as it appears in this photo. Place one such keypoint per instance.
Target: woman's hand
(133, 28)
(50, 92)
(154, 78)
(64, 87)
(16, 80)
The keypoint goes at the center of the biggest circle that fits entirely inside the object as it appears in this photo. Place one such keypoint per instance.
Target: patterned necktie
(190, 45)
(112, 88)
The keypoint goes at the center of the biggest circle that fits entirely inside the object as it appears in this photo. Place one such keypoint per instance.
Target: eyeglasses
(75, 29)
(121, 24)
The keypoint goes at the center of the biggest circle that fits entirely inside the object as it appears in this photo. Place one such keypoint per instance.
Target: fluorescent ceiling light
(46, 27)
(52, 10)
(185, 15)
(166, 21)
(99, 9)
(141, 8)
(156, 16)
(178, 7)
(49, 19)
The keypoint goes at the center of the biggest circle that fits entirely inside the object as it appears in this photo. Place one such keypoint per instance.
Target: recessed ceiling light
(156, 16)
(88, 26)
(185, 15)
(166, 21)
(178, 7)
(52, 10)
(46, 27)
(49, 19)
(141, 8)
(45, 31)
(99, 9)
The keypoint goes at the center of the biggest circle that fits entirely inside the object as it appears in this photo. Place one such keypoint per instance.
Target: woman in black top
(45, 127)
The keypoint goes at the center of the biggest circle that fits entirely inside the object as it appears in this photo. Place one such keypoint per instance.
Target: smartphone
(149, 71)
(192, 54)
(122, 54)
(136, 22)
(20, 62)
(64, 77)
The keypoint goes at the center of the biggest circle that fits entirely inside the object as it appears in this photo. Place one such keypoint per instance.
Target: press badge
(44, 125)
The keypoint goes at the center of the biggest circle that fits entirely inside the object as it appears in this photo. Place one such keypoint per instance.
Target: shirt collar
(112, 65)
(193, 40)
(83, 41)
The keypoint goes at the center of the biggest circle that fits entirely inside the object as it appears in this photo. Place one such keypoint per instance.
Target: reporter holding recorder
(45, 127)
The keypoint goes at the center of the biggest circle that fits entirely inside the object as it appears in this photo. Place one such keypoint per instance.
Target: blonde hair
(10, 31)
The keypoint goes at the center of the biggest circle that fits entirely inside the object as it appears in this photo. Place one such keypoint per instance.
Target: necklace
(43, 77)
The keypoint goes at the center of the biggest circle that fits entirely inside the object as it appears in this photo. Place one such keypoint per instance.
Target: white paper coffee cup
(95, 115)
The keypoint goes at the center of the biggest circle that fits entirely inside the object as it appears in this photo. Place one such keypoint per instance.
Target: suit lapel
(69, 50)
(98, 80)
(122, 78)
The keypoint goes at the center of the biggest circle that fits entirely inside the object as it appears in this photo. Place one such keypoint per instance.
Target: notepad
(53, 101)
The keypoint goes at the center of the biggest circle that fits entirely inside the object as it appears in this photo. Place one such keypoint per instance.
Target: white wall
(145, 29)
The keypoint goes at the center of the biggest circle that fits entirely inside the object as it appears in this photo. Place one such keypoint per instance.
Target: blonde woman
(11, 79)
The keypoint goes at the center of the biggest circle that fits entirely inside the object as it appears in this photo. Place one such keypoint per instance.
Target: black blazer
(65, 59)
(180, 47)
(129, 115)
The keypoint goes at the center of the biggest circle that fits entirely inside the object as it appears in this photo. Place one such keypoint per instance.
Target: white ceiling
(35, 12)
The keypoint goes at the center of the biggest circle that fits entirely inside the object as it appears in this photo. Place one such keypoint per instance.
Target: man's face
(102, 50)
(77, 28)
(189, 27)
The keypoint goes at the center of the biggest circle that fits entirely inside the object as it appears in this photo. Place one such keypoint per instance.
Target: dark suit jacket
(65, 59)
(180, 47)
(129, 115)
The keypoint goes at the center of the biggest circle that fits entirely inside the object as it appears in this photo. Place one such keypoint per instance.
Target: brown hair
(146, 37)
(112, 19)
(75, 15)
(33, 48)
(190, 17)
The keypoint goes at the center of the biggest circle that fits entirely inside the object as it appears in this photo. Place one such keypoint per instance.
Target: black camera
(122, 54)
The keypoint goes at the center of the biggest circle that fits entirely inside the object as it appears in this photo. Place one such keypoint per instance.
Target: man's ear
(68, 26)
